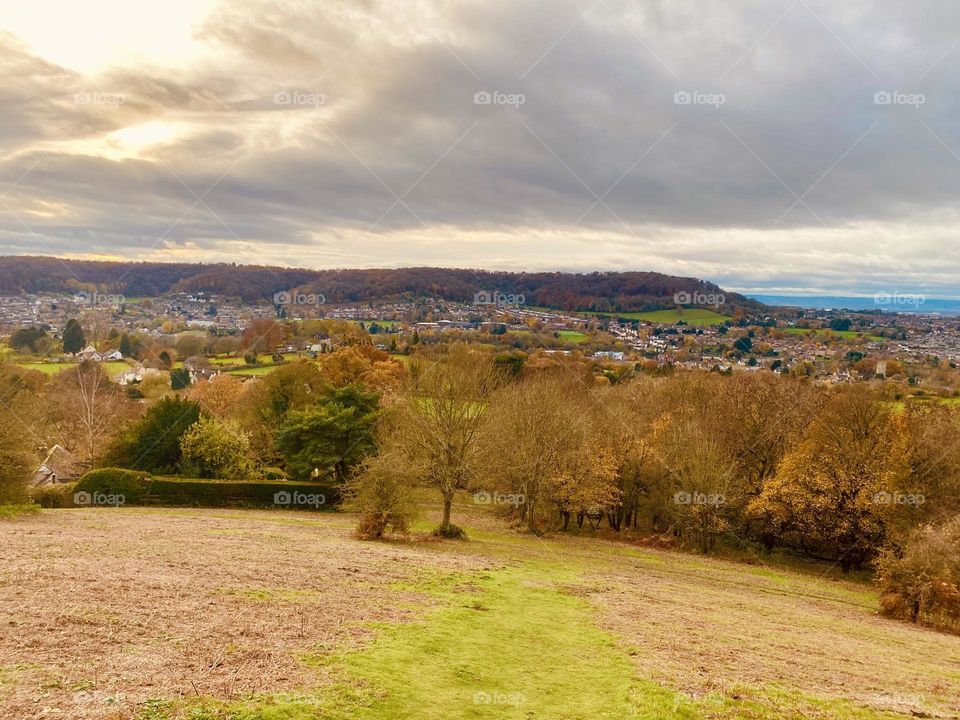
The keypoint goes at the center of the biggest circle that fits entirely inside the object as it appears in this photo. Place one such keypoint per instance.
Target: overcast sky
(767, 145)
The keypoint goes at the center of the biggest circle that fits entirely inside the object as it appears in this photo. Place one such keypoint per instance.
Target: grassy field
(254, 370)
(572, 336)
(113, 367)
(691, 316)
(846, 334)
(258, 615)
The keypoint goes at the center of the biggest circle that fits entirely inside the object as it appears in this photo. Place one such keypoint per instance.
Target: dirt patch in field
(102, 609)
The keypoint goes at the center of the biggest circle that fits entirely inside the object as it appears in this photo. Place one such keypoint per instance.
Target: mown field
(158, 614)
(845, 334)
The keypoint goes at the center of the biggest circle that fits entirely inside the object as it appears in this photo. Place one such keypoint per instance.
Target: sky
(770, 146)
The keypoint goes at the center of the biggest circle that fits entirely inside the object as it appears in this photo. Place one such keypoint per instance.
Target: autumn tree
(528, 433)
(262, 335)
(89, 408)
(219, 396)
(824, 497)
(437, 425)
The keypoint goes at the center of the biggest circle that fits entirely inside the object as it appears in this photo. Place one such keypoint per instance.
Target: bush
(451, 532)
(222, 493)
(274, 473)
(138, 488)
(383, 498)
(54, 496)
(922, 582)
(213, 448)
(133, 485)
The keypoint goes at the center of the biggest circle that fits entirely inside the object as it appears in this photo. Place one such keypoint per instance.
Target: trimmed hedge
(54, 496)
(138, 488)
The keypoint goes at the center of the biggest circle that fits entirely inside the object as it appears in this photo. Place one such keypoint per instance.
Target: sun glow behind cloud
(93, 35)
(379, 155)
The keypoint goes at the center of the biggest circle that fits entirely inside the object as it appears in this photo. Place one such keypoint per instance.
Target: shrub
(222, 493)
(54, 496)
(273, 473)
(450, 532)
(131, 484)
(214, 448)
(381, 494)
(921, 583)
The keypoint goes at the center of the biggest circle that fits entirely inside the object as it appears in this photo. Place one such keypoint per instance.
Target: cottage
(60, 466)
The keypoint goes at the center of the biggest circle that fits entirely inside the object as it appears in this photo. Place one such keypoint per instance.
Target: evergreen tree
(73, 339)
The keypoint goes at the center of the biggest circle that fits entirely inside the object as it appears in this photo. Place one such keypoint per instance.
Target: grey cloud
(798, 118)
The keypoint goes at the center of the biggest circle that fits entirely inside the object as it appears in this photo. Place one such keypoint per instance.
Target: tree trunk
(447, 503)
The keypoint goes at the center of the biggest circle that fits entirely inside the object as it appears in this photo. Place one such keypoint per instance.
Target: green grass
(12, 511)
(572, 336)
(254, 370)
(846, 334)
(113, 367)
(692, 316)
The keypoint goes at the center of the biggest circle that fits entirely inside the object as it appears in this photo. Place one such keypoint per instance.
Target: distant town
(915, 353)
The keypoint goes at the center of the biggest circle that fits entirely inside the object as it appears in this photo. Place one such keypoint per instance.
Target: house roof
(59, 465)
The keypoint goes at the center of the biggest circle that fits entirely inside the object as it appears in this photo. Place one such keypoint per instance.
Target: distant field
(691, 316)
(199, 614)
(254, 370)
(114, 367)
(847, 334)
(572, 336)
(226, 360)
